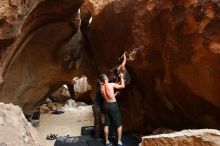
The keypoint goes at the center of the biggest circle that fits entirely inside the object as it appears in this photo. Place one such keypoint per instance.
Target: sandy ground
(68, 123)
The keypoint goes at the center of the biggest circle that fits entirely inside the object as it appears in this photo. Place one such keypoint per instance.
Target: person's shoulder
(101, 87)
(112, 84)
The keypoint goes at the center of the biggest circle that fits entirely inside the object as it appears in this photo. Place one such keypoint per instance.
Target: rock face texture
(81, 85)
(173, 55)
(204, 137)
(15, 129)
(44, 53)
(174, 64)
(61, 95)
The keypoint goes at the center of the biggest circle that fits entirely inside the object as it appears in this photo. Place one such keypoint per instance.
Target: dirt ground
(68, 123)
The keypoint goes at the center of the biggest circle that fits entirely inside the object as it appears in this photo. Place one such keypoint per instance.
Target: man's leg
(106, 131)
(119, 131)
(106, 128)
(116, 116)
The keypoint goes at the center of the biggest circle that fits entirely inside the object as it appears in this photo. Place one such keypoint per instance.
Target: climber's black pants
(112, 114)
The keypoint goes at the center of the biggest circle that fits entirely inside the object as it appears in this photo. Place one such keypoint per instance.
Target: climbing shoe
(108, 144)
(121, 145)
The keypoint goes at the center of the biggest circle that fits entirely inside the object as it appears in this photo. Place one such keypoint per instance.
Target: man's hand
(121, 75)
(124, 60)
(117, 93)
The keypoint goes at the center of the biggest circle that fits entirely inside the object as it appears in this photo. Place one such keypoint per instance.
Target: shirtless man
(112, 113)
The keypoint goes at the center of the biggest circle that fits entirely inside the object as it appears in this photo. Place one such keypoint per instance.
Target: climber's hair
(102, 78)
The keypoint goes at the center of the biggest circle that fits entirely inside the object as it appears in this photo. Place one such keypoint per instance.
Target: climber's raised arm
(124, 60)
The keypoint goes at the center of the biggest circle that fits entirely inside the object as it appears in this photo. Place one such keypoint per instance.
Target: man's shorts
(112, 114)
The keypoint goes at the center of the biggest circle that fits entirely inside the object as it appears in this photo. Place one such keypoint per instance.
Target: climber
(98, 109)
(121, 62)
(112, 113)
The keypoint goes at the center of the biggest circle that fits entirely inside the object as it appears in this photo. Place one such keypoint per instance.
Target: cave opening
(63, 94)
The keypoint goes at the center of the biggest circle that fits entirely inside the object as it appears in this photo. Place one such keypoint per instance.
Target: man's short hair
(102, 77)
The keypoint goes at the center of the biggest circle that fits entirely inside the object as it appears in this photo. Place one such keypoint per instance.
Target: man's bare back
(107, 89)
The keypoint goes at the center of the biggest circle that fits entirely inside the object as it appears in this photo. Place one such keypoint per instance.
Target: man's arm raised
(124, 60)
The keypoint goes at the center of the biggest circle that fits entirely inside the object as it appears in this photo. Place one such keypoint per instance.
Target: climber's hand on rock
(124, 55)
(121, 75)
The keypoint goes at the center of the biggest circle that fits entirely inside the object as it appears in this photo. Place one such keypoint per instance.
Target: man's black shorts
(112, 114)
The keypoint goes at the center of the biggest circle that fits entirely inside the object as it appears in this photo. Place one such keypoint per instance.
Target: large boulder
(70, 105)
(15, 129)
(202, 137)
(81, 85)
(174, 59)
(82, 89)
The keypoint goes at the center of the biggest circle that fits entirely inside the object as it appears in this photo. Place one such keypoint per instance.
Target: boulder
(15, 129)
(173, 59)
(44, 109)
(81, 104)
(202, 137)
(61, 95)
(52, 106)
(70, 105)
(81, 84)
(48, 100)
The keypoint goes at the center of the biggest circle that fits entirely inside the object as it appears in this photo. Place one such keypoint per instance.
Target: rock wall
(46, 51)
(15, 129)
(12, 17)
(175, 59)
